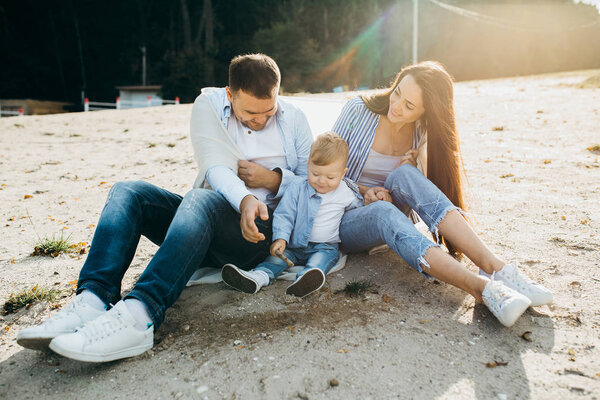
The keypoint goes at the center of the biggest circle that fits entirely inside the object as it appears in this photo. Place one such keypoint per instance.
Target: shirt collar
(311, 190)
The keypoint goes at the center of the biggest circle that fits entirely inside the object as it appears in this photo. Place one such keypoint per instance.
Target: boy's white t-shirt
(264, 147)
(326, 226)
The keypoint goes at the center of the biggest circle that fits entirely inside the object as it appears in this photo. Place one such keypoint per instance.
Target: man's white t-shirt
(326, 226)
(264, 147)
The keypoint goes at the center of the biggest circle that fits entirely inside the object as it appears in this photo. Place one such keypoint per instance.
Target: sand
(534, 196)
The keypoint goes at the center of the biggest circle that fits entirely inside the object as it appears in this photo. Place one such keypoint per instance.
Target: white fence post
(149, 98)
(118, 102)
(21, 112)
(177, 100)
(86, 104)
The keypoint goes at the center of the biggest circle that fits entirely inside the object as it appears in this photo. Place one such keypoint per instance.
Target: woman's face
(406, 102)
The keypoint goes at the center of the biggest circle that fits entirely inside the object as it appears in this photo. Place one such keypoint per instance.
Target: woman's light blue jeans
(315, 255)
(383, 222)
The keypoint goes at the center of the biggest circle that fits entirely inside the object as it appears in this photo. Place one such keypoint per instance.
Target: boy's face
(325, 178)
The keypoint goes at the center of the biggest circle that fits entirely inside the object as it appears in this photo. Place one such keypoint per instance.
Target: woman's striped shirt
(356, 125)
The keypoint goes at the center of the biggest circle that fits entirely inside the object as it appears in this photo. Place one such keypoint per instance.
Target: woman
(404, 154)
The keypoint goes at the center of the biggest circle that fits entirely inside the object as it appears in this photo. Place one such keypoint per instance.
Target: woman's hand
(409, 158)
(377, 193)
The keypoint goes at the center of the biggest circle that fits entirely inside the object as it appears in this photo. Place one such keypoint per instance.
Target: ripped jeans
(383, 222)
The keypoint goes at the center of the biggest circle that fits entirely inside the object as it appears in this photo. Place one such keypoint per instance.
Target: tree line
(63, 49)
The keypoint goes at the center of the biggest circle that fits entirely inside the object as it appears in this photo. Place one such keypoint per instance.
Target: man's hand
(377, 193)
(250, 208)
(278, 246)
(256, 176)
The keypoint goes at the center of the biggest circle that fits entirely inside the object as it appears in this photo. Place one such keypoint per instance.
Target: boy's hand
(250, 208)
(278, 246)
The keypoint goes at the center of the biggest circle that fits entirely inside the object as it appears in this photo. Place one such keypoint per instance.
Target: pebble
(237, 342)
(201, 389)
(334, 382)
(502, 396)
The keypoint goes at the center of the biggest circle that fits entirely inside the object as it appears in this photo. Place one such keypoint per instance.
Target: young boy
(306, 223)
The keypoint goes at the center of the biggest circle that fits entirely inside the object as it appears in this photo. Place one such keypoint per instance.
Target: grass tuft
(52, 247)
(27, 297)
(358, 288)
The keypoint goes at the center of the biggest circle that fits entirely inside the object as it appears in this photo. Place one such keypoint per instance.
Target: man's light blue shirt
(296, 137)
(294, 217)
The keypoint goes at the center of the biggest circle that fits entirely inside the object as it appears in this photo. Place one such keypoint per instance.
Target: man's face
(251, 111)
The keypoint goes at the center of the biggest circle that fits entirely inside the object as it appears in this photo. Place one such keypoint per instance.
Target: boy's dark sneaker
(311, 281)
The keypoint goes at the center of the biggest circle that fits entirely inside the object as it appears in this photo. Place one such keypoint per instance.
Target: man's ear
(229, 94)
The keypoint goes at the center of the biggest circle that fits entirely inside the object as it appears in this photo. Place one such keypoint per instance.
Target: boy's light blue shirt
(296, 137)
(295, 215)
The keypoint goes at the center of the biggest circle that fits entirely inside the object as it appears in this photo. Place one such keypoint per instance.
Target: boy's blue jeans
(316, 255)
(195, 231)
(383, 222)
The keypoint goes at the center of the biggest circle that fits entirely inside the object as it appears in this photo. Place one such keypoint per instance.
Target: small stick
(284, 258)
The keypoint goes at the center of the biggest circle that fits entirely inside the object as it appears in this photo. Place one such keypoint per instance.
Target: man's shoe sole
(308, 283)
(34, 343)
(233, 278)
(86, 357)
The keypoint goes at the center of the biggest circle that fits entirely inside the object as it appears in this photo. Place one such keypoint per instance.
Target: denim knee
(128, 190)
(399, 175)
(205, 200)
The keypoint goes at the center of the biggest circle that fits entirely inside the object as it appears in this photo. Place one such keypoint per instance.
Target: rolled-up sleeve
(224, 181)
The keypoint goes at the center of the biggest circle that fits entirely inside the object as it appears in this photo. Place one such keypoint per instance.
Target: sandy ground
(534, 194)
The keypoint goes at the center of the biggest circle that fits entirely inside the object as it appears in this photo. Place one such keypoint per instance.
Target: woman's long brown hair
(444, 160)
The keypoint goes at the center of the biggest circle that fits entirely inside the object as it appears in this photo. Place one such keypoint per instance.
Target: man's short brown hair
(255, 74)
(328, 148)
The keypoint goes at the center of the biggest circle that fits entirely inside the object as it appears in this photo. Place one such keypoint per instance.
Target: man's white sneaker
(311, 281)
(512, 277)
(71, 317)
(506, 304)
(109, 337)
(244, 281)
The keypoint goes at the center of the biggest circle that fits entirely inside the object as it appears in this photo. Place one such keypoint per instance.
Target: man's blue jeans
(383, 222)
(196, 231)
(315, 255)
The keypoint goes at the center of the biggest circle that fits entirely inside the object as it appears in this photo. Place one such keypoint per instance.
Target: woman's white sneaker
(109, 337)
(505, 303)
(512, 277)
(67, 320)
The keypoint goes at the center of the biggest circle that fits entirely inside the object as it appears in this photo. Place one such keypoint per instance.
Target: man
(249, 145)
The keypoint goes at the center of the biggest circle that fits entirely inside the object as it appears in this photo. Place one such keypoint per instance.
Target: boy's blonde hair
(328, 148)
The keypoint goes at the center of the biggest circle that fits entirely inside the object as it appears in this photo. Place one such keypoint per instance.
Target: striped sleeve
(356, 125)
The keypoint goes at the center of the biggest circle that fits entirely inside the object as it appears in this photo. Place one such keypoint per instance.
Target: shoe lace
(63, 313)
(103, 326)
(498, 291)
(519, 279)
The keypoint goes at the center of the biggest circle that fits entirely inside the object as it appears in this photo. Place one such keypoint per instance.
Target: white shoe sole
(88, 357)
(37, 342)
